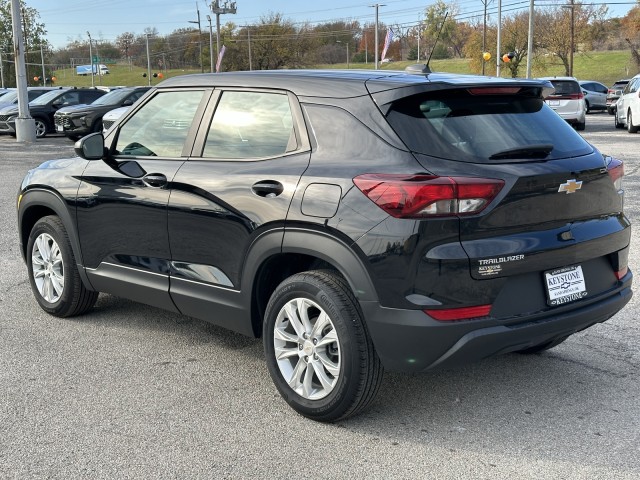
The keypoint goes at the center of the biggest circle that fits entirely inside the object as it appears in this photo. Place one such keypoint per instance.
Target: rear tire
(317, 347)
(631, 128)
(580, 126)
(616, 123)
(53, 272)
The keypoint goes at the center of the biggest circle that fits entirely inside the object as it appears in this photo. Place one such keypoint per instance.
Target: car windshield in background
(115, 97)
(10, 97)
(460, 125)
(45, 97)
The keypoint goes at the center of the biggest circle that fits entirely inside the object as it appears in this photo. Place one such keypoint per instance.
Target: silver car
(568, 100)
(595, 95)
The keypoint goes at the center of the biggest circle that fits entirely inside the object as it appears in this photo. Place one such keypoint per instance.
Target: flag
(220, 55)
(387, 41)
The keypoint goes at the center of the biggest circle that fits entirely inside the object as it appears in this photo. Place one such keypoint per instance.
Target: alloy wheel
(48, 268)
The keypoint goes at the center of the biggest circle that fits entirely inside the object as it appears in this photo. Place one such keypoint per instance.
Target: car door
(122, 203)
(235, 190)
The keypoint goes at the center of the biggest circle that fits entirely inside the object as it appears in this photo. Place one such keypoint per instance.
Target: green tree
(34, 38)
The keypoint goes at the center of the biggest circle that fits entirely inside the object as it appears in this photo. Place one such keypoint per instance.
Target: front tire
(318, 351)
(53, 272)
(616, 123)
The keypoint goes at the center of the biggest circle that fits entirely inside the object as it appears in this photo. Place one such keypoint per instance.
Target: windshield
(480, 128)
(10, 97)
(46, 97)
(115, 97)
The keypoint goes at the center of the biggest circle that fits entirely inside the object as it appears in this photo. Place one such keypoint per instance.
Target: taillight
(576, 96)
(621, 273)
(615, 169)
(463, 313)
(420, 196)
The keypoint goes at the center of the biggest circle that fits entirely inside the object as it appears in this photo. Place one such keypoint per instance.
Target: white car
(568, 100)
(112, 117)
(628, 106)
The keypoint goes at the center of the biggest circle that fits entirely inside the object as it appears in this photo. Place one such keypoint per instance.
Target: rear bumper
(410, 341)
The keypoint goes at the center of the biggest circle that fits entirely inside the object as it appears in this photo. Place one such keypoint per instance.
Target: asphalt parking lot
(130, 391)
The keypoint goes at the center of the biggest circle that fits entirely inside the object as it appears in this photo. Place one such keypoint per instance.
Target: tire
(611, 111)
(580, 126)
(631, 128)
(588, 108)
(323, 363)
(543, 346)
(53, 272)
(42, 127)
(616, 123)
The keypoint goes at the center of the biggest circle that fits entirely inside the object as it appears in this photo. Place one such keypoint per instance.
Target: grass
(605, 67)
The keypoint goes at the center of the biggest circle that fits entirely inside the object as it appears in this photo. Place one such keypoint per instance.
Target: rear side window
(458, 125)
(251, 125)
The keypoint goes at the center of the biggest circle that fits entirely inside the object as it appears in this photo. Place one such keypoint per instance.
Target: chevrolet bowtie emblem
(570, 186)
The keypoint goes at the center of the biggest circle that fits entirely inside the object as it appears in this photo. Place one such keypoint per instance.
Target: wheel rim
(307, 349)
(48, 268)
(40, 128)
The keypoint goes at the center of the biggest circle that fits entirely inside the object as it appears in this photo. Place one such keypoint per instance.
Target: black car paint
(167, 245)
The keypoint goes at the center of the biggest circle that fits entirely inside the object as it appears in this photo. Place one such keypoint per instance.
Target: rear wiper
(530, 151)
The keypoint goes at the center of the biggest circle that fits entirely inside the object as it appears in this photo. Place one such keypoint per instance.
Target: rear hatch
(565, 99)
(553, 234)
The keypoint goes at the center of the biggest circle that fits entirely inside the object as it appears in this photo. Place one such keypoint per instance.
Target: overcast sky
(67, 20)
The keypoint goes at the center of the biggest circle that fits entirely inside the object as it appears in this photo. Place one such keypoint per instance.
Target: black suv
(43, 107)
(80, 120)
(355, 221)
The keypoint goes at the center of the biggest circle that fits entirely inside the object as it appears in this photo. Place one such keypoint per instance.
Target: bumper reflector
(463, 313)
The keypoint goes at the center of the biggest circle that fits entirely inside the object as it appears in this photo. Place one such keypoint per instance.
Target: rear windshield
(456, 125)
(565, 87)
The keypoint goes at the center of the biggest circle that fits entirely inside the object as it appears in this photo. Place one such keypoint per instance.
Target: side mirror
(90, 147)
(127, 103)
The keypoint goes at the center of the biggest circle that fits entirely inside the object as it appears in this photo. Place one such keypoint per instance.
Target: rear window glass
(457, 125)
(565, 87)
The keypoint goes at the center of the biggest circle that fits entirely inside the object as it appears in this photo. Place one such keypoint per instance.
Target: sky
(68, 20)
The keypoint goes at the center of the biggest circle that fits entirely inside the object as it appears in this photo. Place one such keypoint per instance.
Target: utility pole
(44, 73)
(227, 7)
(572, 40)
(530, 40)
(377, 6)
(1, 69)
(91, 55)
(148, 60)
(199, 37)
(484, 32)
(498, 56)
(25, 125)
(210, 42)
(249, 40)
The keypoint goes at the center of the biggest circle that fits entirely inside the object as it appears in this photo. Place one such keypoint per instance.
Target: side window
(88, 97)
(161, 126)
(602, 88)
(634, 85)
(251, 125)
(69, 98)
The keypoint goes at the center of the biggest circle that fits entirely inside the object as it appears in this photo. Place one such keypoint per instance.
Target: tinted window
(565, 87)
(250, 125)
(457, 125)
(161, 126)
(47, 97)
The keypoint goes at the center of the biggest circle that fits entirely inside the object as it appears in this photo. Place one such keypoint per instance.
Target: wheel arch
(38, 203)
(278, 255)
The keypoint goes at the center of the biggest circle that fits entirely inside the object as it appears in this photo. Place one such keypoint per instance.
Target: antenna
(438, 37)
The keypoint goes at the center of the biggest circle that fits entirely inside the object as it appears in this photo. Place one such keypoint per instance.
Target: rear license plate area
(564, 285)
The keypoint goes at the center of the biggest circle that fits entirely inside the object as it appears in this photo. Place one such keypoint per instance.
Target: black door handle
(156, 180)
(267, 188)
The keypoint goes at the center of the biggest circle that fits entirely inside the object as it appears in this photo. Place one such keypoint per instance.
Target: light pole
(210, 42)
(377, 6)
(199, 37)
(221, 10)
(91, 55)
(498, 56)
(571, 30)
(347, 43)
(530, 40)
(25, 125)
(44, 73)
(249, 41)
(1, 69)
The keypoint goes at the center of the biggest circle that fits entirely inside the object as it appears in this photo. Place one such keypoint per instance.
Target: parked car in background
(44, 107)
(355, 220)
(112, 117)
(613, 94)
(595, 95)
(4, 91)
(568, 100)
(11, 97)
(79, 120)
(628, 106)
